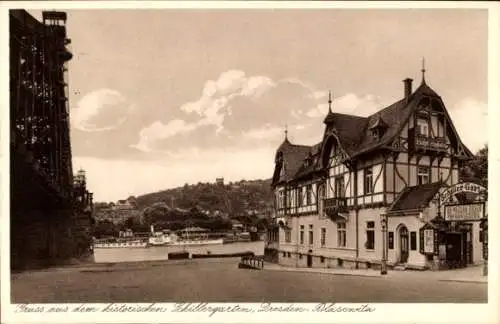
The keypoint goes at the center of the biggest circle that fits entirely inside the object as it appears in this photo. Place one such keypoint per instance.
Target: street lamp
(383, 222)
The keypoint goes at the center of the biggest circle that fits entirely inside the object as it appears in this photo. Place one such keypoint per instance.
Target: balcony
(436, 144)
(335, 208)
(283, 222)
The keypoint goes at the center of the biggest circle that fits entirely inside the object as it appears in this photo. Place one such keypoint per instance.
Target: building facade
(377, 188)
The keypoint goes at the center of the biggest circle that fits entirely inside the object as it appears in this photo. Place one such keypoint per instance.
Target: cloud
(158, 130)
(264, 132)
(100, 110)
(250, 109)
(471, 112)
(350, 103)
(213, 105)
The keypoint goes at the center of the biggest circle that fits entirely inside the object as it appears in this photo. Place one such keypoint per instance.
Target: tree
(477, 167)
(105, 228)
(130, 222)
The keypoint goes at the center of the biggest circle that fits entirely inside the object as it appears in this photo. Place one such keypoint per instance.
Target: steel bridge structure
(50, 207)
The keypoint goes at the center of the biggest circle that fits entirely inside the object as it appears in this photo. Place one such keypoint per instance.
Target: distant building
(118, 212)
(382, 187)
(124, 204)
(219, 181)
(126, 233)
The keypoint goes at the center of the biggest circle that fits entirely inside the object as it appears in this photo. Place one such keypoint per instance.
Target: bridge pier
(50, 206)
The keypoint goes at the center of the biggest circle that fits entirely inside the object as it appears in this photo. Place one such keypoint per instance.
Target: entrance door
(468, 247)
(454, 250)
(309, 261)
(403, 239)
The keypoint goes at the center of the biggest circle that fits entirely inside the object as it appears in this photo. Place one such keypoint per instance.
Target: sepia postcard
(249, 162)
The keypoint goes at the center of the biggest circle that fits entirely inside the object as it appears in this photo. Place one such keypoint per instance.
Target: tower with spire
(329, 115)
(330, 101)
(423, 70)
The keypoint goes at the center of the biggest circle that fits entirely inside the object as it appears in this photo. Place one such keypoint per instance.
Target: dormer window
(378, 128)
(375, 133)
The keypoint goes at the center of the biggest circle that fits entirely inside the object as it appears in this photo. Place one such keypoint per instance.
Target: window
(323, 236)
(341, 234)
(391, 241)
(281, 199)
(289, 254)
(284, 254)
(300, 197)
(311, 235)
(322, 259)
(339, 187)
(413, 241)
(320, 201)
(309, 194)
(370, 236)
(368, 183)
(423, 174)
(288, 236)
(301, 234)
(422, 127)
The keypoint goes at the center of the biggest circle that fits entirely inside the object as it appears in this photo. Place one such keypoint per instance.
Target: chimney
(408, 90)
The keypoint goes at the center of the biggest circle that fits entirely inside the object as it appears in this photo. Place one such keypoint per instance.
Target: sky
(160, 98)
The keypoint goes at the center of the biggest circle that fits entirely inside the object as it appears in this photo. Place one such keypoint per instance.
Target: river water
(161, 252)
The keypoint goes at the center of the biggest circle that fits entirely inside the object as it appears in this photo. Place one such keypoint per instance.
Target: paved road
(221, 281)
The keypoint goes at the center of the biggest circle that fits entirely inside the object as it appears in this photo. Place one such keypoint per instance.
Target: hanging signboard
(461, 187)
(464, 212)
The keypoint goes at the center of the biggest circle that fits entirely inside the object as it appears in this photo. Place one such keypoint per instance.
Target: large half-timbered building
(374, 187)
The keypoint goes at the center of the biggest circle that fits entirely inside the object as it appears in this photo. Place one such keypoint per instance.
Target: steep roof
(415, 197)
(311, 162)
(293, 159)
(354, 134)
(349, 129)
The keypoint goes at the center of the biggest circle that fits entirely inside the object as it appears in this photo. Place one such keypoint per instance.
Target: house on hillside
(124, 204)
(380, 188)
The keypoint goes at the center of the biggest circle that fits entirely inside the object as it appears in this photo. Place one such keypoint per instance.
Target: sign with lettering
(462, 213)
(432, 143)
(461, 187)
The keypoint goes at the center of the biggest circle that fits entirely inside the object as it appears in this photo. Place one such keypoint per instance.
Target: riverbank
(116, 255)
